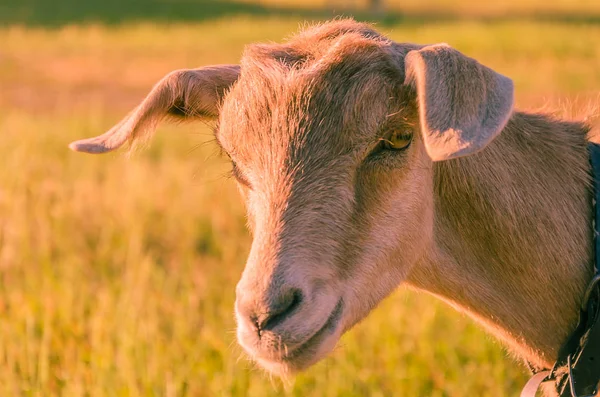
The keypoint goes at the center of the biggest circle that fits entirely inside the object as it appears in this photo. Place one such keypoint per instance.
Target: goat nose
(273, 311)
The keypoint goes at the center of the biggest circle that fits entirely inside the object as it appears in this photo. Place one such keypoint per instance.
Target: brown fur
(500, 230)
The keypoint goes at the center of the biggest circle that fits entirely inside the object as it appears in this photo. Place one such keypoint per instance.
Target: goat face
(332, 137)
(338, 219)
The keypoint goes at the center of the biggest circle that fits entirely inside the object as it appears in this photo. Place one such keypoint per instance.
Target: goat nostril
(281, 309)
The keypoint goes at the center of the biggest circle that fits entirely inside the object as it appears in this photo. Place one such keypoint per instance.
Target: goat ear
(463, 105)
(186, 94)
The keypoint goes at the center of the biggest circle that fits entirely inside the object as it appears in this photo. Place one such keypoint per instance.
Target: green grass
(117, 275)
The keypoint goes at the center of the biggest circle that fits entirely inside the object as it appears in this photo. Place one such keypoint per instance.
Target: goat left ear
(463, 105)
(187, 94)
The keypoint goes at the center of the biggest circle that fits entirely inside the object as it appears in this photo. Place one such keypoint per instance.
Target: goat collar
(576, 373)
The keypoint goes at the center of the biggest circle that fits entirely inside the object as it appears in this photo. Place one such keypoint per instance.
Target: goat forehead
(305, 112)
(292, 121)
(323, 94)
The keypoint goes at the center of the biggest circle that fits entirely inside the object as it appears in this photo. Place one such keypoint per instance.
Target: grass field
(117, 275)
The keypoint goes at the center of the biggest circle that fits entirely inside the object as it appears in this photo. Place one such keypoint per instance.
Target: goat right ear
(187, 94)
(463, 104)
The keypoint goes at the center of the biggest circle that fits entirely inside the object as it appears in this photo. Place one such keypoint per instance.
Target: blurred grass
(117, 275)
(60, 12)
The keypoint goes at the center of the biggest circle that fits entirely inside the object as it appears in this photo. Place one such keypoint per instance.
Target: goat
(366, 163)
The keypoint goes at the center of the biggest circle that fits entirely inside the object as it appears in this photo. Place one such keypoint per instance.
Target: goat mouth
(310, 351)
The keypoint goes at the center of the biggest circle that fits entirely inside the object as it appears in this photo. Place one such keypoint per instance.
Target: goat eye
(398, 140)
(238, 175)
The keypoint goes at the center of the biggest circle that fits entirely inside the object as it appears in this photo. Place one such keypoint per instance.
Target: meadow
(117, 273)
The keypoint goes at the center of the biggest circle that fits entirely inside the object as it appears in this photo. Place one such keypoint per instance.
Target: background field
(117, 275)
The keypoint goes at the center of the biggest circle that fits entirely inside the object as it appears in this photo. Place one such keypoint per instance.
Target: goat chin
(300, 360)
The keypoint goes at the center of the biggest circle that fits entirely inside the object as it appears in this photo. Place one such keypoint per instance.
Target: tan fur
(502, 234)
